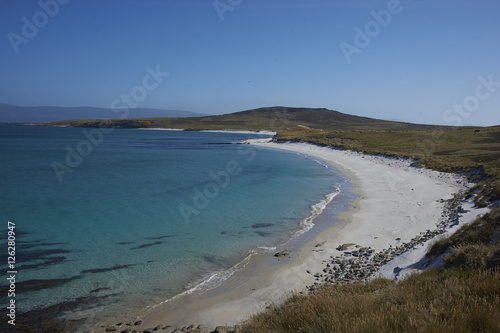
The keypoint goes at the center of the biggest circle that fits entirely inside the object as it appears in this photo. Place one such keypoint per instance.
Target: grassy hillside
(475, 151)
(271, 118)
(450, 301)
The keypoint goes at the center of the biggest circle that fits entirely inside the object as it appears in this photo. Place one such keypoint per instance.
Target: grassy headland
(271, 118)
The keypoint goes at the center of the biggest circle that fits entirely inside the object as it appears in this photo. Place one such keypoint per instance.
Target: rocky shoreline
(355, 264)
(134, 328)
(362, 263)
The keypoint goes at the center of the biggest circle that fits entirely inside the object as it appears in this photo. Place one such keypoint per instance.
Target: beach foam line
(161, 129)
(316, 209)
(208, 131)
(209, 281)
(215, 279)
(241, 132)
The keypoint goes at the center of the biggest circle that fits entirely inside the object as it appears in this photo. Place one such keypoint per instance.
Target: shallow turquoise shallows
(141, 215)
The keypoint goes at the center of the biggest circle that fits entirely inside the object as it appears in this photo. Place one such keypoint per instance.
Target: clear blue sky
(419, 63)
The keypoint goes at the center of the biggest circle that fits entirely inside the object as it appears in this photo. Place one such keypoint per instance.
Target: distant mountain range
(43, 114)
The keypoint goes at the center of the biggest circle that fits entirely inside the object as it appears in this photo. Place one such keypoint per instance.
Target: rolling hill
(269, 118)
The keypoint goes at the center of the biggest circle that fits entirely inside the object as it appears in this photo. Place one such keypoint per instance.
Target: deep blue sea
(139, 216)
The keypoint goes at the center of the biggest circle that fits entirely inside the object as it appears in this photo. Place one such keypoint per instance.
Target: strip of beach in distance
(398, 211)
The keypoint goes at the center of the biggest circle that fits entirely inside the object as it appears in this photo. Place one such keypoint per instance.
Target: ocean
(108, 222)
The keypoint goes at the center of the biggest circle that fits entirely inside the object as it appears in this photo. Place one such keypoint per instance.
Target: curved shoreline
(214, 280)
(205, 284)
(395, 202)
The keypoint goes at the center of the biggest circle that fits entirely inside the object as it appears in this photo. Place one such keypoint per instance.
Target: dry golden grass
(470, 256)
(473, 246)
(434, 301)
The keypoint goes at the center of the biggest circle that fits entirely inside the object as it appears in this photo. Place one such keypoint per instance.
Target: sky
(420, 61)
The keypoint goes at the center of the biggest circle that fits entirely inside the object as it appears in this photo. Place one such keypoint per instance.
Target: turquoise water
(138, 216)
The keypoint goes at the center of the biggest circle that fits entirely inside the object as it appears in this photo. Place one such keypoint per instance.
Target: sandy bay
(394, 203)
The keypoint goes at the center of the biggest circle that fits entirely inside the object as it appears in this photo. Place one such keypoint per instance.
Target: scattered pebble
(361, 264)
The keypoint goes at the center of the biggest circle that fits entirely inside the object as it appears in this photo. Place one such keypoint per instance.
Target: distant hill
(276, 118)
(44, 114)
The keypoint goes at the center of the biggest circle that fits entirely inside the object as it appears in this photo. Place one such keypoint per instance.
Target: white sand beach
(395, 202)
